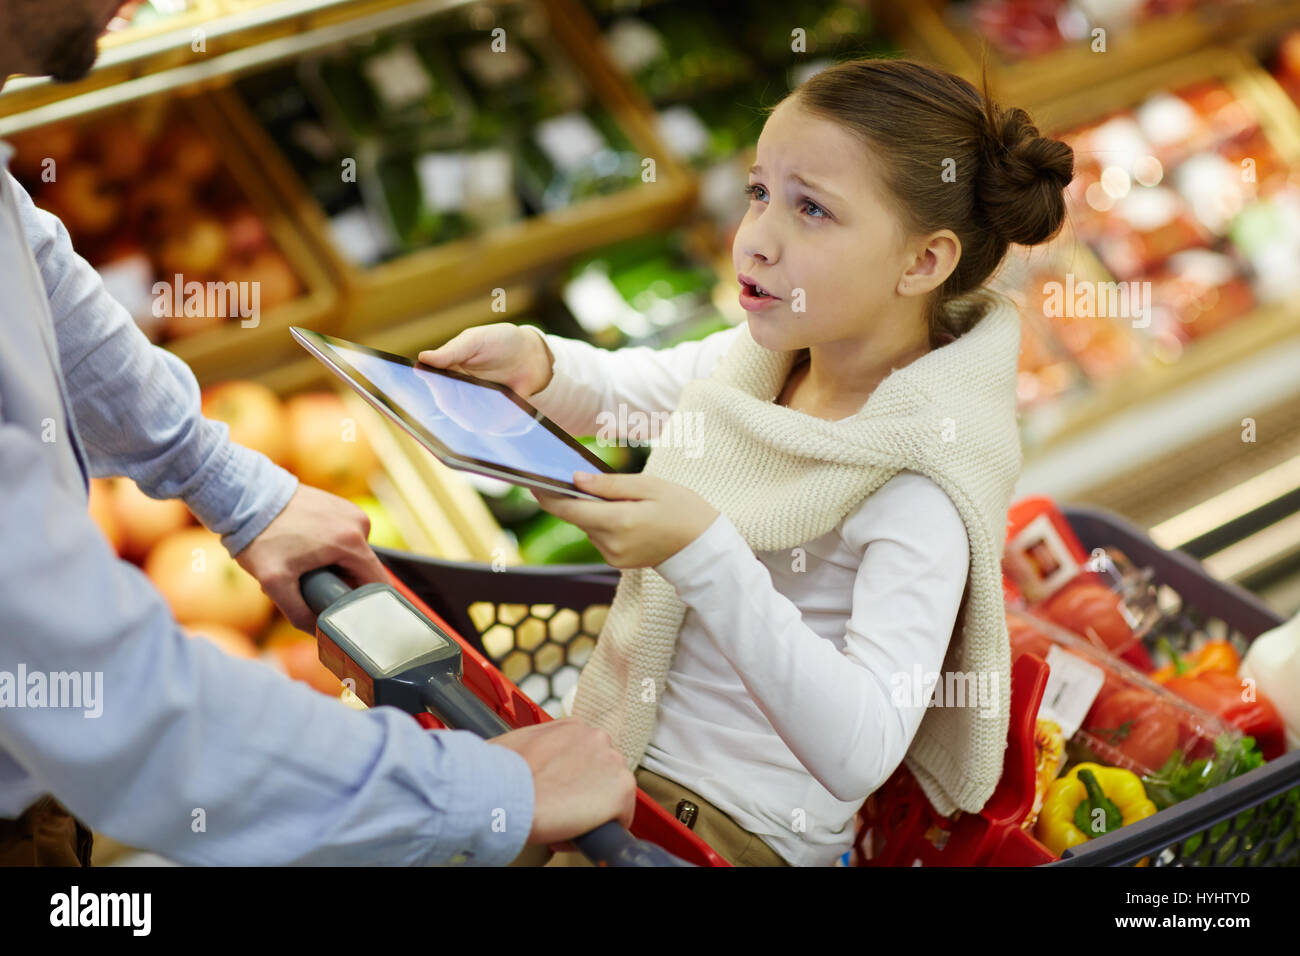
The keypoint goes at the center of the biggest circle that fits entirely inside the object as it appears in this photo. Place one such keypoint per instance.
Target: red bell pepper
(1225, 695)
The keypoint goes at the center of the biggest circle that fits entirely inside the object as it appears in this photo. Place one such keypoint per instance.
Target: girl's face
(819, 236)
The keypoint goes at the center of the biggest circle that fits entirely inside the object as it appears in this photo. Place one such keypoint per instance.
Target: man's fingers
(363, 565)
(287, 596)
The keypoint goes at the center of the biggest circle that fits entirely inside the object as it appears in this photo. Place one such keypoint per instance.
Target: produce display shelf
(235, 37)
(230, 350)
(1267, 326)
(926, 26)
(431, 278)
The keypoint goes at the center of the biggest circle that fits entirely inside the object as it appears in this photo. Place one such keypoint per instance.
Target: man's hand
(315, 529)
(579, 779)
(644, 521)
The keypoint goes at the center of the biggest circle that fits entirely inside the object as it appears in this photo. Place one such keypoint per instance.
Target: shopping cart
(529, 619)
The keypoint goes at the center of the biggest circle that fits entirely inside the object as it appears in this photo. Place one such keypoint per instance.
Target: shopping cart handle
(419, 675)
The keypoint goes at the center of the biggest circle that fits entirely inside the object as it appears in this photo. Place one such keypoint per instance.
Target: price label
(489, 175)
(684, 132)
(568, 139)
(398, 76)
(633, 44)
(1072, 686)
(442, 179)
(496, 67)
(356, 236)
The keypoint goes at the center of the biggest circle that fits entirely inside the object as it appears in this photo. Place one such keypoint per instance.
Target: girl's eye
(752, 189)
(809, 204)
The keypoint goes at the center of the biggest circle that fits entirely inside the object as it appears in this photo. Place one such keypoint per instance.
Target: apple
(295, 653)
(254, 414)
(188, 153)
(118, 148)
(193, 249)
(156, 205)
(245, 233)
(202, 582)
(233, 642)
(276, 282)
(144, 521)
(1288, 55)
(33, 147)
(101, 512)
(299, 658)
(326, 445)
(88, 203)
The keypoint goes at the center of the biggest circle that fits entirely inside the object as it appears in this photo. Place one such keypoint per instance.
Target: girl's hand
(501, 352)
(645, 520)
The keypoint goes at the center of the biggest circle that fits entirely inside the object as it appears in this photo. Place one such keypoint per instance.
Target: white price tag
(496, 67)
(398, 76)
(684, 132)
(442, 179)
(568, 139)
(355, 234)
(633, 44)
(490, 175)
(1072, 686)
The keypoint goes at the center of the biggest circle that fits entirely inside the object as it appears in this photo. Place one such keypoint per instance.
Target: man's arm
(137, 406)
(137, 410)
(206, 758)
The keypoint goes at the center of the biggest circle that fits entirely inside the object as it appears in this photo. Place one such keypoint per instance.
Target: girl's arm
(589, 384)
(843, 714)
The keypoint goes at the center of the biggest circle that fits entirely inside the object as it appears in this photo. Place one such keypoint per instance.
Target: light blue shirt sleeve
(159, 740)
(176, 747)
(137, 406)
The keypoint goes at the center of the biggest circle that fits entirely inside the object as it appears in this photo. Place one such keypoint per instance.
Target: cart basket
(1251, 820)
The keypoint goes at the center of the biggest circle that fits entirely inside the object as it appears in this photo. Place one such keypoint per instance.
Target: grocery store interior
(393, 173)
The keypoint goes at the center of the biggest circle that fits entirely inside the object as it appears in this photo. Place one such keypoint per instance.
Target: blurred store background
(389, 173)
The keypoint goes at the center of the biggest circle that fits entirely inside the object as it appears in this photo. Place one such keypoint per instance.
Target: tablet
(467, 423)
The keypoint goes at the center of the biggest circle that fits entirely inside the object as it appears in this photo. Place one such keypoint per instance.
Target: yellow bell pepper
(1089, 801)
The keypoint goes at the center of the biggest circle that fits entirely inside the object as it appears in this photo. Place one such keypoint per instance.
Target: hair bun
(1023, 178)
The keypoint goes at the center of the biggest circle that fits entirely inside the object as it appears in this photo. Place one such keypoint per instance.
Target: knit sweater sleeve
(589, 384)
(849, 716)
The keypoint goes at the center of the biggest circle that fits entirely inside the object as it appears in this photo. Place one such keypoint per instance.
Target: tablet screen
(473, 421)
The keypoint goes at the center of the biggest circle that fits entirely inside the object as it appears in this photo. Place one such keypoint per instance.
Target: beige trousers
(724, 835)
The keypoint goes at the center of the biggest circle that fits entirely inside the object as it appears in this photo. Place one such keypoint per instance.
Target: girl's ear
(933, 260)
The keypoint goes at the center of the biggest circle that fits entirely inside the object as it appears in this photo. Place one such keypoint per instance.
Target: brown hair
(1009, 181)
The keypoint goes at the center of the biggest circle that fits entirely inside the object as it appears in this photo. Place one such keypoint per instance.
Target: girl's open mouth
(754, 297)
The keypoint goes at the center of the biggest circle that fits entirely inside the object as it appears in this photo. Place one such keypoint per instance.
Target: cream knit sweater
(784, 477)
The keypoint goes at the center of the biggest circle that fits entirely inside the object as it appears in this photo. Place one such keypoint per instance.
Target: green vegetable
(1175, 782)
(549, 540)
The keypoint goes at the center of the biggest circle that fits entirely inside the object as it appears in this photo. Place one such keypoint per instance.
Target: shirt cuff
(491, 780)
(562, 389)
(244, 493)
(695, 565)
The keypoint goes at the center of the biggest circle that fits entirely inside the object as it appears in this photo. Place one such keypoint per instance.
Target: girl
(812, 586)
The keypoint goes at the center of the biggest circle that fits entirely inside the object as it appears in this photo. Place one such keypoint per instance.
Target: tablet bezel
(319, 345)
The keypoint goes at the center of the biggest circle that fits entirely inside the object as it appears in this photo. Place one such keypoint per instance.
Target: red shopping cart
(536, 620)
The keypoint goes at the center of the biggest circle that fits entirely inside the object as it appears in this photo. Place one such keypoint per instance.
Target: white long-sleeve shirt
(800, 677)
